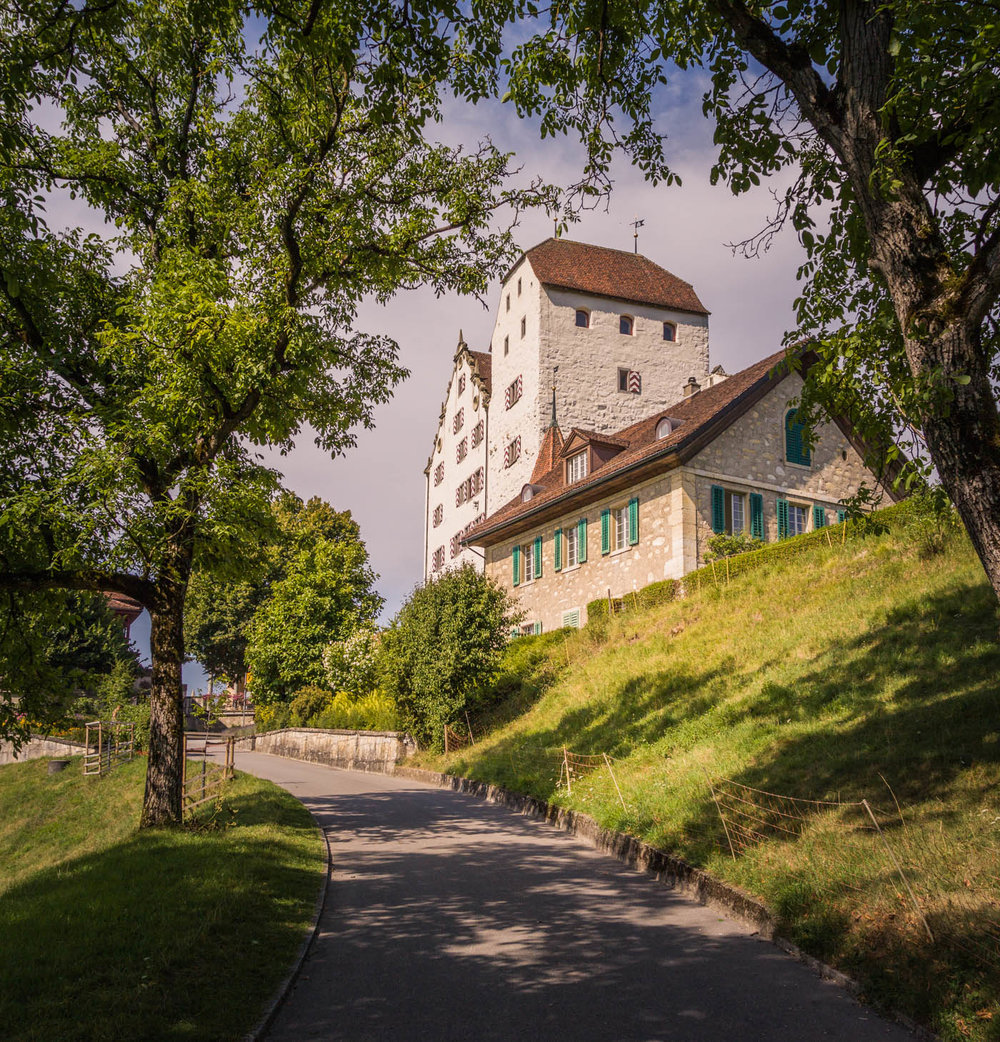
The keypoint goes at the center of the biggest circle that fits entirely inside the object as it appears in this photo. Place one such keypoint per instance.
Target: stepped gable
(617, 274)
(483, 364)
(699, 419)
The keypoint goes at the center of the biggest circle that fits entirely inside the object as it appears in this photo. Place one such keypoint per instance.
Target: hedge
(648, 597)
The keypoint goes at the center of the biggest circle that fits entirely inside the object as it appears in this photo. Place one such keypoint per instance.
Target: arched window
(669, 331)
(582, 318)
(527, 493)
(625, 323)
(796, 450)
(664, 428)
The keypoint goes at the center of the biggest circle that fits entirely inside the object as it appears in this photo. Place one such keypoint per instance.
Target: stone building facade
(641, 506)
(455, 477)
(611, 334)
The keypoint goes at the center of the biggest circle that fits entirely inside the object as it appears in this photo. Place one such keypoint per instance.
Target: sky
(686, 230)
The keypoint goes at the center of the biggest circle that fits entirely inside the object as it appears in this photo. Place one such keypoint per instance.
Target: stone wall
(37, 747)
(352, 750)
(659, 554)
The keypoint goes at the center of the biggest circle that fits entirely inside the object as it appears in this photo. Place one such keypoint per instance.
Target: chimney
(691, 387)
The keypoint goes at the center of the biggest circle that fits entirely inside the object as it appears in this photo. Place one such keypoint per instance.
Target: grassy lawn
(109, 933)
(863, 670)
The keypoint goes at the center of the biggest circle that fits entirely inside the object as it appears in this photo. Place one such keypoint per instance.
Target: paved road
(449, 918)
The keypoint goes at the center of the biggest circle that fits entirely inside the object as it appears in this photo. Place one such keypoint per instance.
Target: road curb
(285, 988)
(674, 872)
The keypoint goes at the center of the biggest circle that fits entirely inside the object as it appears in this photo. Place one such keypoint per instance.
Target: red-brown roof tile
(483, 364)
(611, 273)
(701, 416)
(549, 452)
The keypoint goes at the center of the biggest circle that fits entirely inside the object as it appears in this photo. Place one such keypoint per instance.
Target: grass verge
(112, 933)
(832, 674)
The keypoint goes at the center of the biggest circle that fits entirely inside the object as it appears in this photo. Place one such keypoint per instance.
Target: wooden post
(569, 783)
(715, 799)
(615, 780)
(445, 737)
(469, 725)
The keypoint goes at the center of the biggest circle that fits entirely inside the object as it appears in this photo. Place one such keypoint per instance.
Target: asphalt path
(449, 918)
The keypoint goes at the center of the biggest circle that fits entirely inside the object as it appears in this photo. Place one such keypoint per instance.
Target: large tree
(883, 116)
(254, 171)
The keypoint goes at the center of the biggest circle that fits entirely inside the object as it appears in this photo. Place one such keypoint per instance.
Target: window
(669, 331)
(477, 434)
(439, 473)
(796, 450)
(629, 381)
(664, 428)
(437, 559)
(461, 384)
(528, 629)
(583, 318)
(524, 326)
(512, 453)
(619, 527)
(518, 287)
(729, 511)
(456, 423)
(625, 325)
(571, 618)
(819, 516)
(527, 493)
(572, 539)
(506, 344)
(462, 450)
(438, 515)
(508, 302)
(797, 519)
(576, 467)
(464, 492)
(478, 482)
(513, 393)
(528, 552)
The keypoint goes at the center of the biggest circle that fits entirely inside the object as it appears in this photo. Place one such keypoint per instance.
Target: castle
(660, 452)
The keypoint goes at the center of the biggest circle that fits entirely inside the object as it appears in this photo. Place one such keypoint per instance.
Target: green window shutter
(581, 541)
(538, 557)
(633, 521)
(756, 515)
(841, 516)
(795, 449)
(538, 628)
(557, 553)
(782, 507)
(718, 509)
(516, 558)
(606, 530)
(819, 516)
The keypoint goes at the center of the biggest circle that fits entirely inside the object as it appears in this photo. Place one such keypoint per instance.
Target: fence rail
(107, 744)
(206, 783)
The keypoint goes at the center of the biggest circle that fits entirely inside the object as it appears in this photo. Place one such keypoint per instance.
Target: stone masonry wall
(750, 457)
(38, 747)
(664, 502)
(454, 518)
(351, 750)
(587, 392)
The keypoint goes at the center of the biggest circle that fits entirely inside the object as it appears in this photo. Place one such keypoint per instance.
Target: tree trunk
(164, 771)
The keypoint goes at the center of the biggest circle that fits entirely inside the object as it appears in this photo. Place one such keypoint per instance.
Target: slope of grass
(862, 670)
(111, 933)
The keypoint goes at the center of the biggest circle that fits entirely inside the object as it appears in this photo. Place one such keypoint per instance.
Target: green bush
(444, 648)
(638, 600)
(724, 545)
(272, 717)
(371, 712)
(307, 702)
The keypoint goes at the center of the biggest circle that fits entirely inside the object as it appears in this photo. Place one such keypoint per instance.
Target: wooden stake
(721, 815)
(615, 780)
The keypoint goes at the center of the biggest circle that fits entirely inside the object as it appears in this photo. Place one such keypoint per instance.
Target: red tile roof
(549, 452)
(611, 273)
(483, 364)
(699, 419)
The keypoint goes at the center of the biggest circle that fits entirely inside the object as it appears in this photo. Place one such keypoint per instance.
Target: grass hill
(838, 669)
(108, 932)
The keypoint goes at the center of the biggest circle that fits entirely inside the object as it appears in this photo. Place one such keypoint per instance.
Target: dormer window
(527, 493)
(664, 428)
(626, 325)
(669, 331)
(582, 318)
(576, 467)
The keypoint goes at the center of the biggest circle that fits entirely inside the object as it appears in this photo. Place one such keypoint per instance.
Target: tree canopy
(254, 173)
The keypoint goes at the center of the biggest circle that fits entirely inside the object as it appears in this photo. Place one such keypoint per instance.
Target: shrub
(271, 717)
(723, 545)
(443, 647)
(648, 597)
(371, 712)
(351, 665)
(306, 703)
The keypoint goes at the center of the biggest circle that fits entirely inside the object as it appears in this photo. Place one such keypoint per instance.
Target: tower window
(669, 331)
(583, 318)
(625, 325)
(524, 326)
(518, 287)
(506, 344)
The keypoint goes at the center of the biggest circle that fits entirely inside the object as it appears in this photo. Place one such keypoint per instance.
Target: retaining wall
(36, 747)
(352, 750)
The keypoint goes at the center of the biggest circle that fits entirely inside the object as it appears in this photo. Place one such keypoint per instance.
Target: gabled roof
(698, 420)
(617, 274)
(548, 453)
(586, 437)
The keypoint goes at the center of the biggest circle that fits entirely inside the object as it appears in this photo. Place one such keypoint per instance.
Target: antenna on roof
(636, 224)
